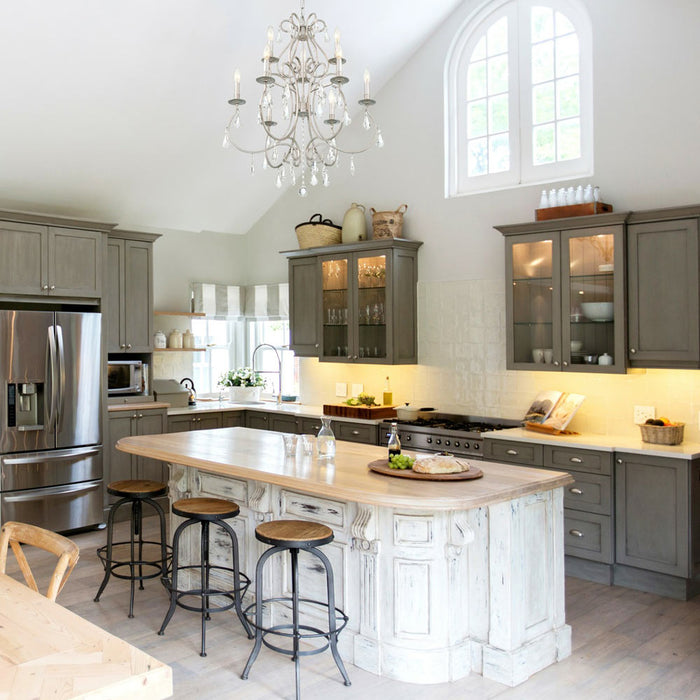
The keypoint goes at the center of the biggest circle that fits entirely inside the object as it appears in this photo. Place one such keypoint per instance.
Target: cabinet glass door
(371, 307)
(535, 303)
(335, 309)
(592, 298)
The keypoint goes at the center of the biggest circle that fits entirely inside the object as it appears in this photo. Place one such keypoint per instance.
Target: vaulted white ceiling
(115, 109)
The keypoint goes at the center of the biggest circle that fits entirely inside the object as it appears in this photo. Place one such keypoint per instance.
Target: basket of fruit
(661, 431)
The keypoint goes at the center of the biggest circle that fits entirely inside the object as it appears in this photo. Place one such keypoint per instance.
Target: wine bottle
(394, 444)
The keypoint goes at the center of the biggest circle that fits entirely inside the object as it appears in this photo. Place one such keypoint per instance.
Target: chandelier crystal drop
(303, 109)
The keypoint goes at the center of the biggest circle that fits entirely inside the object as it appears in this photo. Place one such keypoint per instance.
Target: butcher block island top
(259, 455)
(47, 651)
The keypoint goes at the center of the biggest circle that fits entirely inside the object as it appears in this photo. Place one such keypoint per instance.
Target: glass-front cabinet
(565, 295)
(365, 301)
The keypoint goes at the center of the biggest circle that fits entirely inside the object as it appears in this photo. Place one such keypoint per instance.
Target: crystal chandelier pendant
(303, 191)
(252, 165)
(352, 165)
(380, 139)
(226, 143)
(366, 122)
(278, 181)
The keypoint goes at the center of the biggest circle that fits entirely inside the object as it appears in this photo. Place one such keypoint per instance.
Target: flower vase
(244, 394)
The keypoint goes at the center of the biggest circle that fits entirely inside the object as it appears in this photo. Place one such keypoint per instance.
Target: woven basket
(663, 434)
(387, 224)
(313, 233)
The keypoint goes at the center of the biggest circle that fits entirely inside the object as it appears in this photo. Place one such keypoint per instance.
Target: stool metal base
(295, 630)
(240, 581)
(136, 560)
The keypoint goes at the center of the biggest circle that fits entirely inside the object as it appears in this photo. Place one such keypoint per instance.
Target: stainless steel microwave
(125, 377)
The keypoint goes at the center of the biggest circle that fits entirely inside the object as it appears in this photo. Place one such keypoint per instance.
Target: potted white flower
(244, 385)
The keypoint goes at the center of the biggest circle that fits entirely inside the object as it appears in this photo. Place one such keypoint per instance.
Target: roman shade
(219, 301)
(267, 301)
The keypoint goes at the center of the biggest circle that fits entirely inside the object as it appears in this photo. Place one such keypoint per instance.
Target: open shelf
(180, 313)
(179, 349)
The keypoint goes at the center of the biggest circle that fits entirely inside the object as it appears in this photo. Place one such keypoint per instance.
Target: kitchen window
(224, 342)
(518, 91)
(273, 333)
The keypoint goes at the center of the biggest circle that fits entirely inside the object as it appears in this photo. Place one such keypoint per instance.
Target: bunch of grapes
(401, 462)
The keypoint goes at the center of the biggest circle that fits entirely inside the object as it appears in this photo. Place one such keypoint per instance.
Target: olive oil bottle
(387, 396)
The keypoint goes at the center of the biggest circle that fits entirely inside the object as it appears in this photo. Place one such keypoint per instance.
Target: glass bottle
(394, 444)
(387, 396)
(325, 441)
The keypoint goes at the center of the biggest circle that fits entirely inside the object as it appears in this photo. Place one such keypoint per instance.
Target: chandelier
(303, 109)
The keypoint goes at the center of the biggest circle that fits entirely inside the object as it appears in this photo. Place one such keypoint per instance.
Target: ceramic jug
(354, 224)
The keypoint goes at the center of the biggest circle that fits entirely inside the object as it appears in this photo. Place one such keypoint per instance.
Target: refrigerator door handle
(34, 494)
(52, 456)
(61, 373)
(52, 374)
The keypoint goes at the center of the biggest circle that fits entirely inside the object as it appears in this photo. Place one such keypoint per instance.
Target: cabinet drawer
(589, 492)
(310, 426)
(307, 507)
(356, 432)
(514, 452)
(221, 487)
(588, 536)
(568, 458)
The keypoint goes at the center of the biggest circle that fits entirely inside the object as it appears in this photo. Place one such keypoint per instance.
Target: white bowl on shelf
(576, 345)
(598, 310)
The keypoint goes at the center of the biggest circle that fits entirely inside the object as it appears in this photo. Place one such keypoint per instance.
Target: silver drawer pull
(576, 491)
(576, 460)
(511, 452)
(355, 432)
(576, 533)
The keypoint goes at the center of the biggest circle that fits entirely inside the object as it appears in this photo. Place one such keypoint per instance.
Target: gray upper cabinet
(129, 292)
(565, 294)
(60, 261)
(664, 288)
(355, 302)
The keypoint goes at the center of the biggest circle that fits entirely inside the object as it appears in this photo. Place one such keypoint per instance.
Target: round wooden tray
(381, 466)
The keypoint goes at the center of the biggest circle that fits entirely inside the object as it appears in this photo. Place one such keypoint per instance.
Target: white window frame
(522, 171)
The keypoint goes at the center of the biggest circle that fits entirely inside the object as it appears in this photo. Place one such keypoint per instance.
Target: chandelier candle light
(302, 108)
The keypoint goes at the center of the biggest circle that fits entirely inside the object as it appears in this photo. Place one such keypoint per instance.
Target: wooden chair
(14, 534)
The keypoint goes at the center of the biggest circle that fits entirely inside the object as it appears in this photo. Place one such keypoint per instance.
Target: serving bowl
(598, 310)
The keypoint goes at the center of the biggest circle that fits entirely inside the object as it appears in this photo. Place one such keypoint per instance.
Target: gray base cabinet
(202, 421)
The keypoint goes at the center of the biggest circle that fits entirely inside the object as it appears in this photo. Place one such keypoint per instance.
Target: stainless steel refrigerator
(50, 418)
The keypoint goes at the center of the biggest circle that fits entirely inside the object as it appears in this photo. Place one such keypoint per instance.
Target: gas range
(460, 435)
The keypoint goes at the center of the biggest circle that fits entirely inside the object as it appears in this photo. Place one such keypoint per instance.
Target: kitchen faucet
(278, 371)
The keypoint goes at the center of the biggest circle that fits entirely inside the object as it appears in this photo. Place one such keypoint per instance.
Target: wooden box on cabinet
(355, 302)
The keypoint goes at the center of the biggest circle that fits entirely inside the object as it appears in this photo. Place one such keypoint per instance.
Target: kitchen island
(439, 579)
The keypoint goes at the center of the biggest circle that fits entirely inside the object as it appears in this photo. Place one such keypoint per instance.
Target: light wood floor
(626, 644)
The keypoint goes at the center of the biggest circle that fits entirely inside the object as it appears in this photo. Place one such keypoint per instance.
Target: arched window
(518, 91)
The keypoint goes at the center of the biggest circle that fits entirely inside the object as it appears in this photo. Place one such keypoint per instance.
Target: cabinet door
(257, 419)
(337, 311)
(180, 424)
(651, 508)
(75, 262)
(533, 302)
(365, 433)
(209, 420)
(593, 300)
(151, 422)
(138, 296)
(233, 419)
(285, 424)
(113, 302)
(23, 259)
(663, 286)
(120, 463)
(372, 308)
(303, 306)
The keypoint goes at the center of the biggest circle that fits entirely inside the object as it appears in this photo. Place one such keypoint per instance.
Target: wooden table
(46, 651)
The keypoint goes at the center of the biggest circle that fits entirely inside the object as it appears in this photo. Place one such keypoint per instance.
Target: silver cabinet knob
(140, 415)
(128, 346)
(316, 345)
(134, 416)
(556, 363)
(122, 346)
(632, 350)
(576, 492)
(511, 452)
(354, 357)
(52, 287)
(355, 432)
(576, 460)
(566, 364)
(45, 287)
(576, 533)
(619, 461)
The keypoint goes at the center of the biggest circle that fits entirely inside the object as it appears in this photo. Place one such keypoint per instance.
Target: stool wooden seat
(137, 488)
(294, 536)
(205, 508)
(137, 493)
(206, 511)
(294, 533)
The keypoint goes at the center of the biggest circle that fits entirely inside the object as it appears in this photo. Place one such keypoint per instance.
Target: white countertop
(605, 443)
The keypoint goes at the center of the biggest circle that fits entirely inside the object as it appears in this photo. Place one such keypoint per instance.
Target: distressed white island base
(439, 579)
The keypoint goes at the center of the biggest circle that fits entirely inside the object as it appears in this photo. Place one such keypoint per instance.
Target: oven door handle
(34, 494)
(53, 456)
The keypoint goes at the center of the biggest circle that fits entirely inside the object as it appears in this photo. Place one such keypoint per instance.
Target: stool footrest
(114, 564)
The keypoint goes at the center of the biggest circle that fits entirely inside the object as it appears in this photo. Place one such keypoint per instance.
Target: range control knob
(429, 440)
(457, 443)
(407, 438)
(476, 445)
(447, 443)
(438, 441)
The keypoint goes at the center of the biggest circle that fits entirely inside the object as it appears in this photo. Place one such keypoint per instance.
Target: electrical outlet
(341, 389)
(642, 413)
(357, 389)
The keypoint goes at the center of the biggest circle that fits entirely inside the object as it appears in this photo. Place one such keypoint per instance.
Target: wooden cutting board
(367, 412)
(381, 466)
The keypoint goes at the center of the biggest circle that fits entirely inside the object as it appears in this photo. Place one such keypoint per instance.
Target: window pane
(479, 51)
(476, 80)
(498, 74)
(542, 23)
(543, 103)
(499, 153)
(569, 139)
(476, 119)
(543, 146)
(497, 37)
(568, 103)
(498, 114)
(567, 55)
(563, 25)
(543, 62)
(477, 158)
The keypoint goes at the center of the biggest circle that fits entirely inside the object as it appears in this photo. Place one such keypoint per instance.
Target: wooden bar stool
(135, 492)
(205, 511)
(292, 536)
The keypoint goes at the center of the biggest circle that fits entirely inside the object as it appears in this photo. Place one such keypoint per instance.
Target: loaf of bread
(440, 464)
